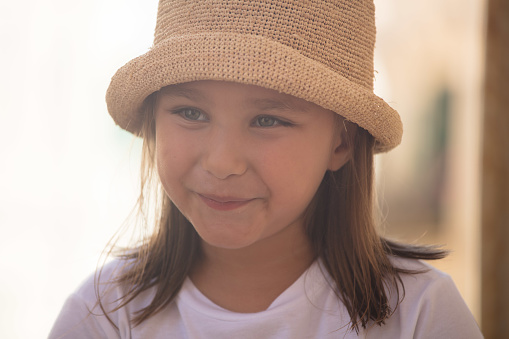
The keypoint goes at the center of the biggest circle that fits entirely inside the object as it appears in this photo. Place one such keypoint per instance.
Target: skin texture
(242, 163)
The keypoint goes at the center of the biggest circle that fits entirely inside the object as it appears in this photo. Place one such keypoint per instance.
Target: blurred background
(430, 63)
(69, 176)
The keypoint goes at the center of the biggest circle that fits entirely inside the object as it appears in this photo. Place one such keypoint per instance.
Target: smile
(223, 203)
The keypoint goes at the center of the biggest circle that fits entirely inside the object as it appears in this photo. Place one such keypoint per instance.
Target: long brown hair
(340, 224)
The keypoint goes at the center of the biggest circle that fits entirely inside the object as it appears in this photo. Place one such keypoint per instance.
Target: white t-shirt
(432, 308)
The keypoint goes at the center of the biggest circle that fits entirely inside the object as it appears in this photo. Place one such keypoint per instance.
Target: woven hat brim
(253, 60)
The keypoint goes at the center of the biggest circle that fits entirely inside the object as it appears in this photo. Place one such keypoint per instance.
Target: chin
(227, 241)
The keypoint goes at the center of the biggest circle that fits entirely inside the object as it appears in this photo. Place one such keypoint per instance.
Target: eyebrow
(179, 91)
(263, 104)
(276, 104)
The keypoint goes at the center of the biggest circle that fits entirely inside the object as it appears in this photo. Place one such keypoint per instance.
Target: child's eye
(189, 113)
(268, 121)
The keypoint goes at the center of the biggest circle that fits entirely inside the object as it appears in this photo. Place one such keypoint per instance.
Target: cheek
(177, 158)
(163, 162)
(171, 143)
(307, 156)
(295, 169)
(168, 158)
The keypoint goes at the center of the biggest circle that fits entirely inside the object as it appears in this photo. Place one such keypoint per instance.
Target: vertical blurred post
(495, 177)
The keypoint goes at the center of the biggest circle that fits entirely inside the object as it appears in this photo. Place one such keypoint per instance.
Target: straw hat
(320, 51)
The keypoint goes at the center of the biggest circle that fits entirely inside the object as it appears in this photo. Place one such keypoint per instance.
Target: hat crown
(338, 34)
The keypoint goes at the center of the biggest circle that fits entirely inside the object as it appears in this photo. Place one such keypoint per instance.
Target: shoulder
(102, 285)
(429, 304)
(423, 276)
(425, 285)
(82, 317)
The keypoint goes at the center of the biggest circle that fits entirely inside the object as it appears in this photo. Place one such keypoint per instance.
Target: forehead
(209, 91)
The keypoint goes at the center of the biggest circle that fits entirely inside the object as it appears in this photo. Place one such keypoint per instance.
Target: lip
(223, 203)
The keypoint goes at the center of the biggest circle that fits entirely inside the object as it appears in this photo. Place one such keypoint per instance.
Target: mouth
(223, 203)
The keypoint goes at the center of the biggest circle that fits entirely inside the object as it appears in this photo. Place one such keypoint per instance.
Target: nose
(224, 155)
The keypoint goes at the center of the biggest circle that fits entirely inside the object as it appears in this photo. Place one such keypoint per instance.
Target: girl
(259, 126)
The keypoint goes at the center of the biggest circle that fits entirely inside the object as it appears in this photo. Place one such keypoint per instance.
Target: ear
(341, 150)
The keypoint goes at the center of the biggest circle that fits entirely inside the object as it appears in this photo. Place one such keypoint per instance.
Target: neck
(251, 278)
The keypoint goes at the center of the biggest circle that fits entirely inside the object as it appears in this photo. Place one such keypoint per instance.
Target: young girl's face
(242, 162)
